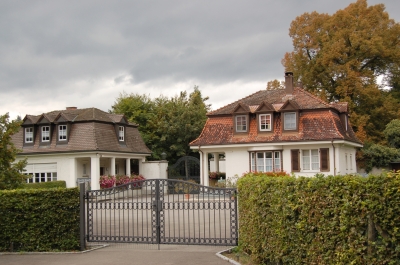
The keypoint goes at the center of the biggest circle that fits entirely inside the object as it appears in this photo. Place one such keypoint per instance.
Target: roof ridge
(312, 95)
(231, 104)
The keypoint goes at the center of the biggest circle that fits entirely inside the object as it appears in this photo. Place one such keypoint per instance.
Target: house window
(29, 135)
(265, 122)
(347, 162)
(269, 161)
(45, 133)
(289, 121)
(62, 132)
(241, 123)
(42, 177)
(121, 134)
(310, 159)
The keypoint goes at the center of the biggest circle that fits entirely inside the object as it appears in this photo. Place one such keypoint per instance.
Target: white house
(81, 144)
(279, 130)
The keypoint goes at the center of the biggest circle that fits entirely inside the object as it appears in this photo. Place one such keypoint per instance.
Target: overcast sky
(55, 54)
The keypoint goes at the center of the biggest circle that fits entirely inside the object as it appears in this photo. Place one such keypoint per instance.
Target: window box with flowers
(114, 181)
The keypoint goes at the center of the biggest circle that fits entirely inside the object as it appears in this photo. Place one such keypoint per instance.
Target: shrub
(320, 220)
(39, 220)
(45, 185)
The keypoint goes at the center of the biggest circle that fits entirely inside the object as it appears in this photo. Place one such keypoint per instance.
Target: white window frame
(240, 127)
(29, 135)
(121, 133)
(45, 134)
(268, 126)
(290, 121)
(261, 162)
(62, 132)
(310, 160)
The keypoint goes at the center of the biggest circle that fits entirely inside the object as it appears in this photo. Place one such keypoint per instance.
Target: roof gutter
(334, 158)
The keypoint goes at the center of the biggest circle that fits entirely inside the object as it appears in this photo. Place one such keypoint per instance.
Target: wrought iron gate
(162, 211)
(186, 168)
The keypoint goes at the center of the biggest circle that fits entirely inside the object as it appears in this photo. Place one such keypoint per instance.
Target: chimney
(289, 82)
(71, 108)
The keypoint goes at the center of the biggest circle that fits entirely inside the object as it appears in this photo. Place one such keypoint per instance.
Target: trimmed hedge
(39, 220)
(320, 220)
(45, 185)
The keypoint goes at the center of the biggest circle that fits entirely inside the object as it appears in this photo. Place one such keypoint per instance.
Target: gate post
(82, 216)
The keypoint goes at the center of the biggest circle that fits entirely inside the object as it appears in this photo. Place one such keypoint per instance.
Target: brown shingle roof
(91, 130)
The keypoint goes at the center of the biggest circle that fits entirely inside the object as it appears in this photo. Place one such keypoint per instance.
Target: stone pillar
(112, 166)
(128, 167)
(95, 172)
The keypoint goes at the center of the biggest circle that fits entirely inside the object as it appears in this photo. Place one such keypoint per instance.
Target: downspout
(202, 165)
(334, 159)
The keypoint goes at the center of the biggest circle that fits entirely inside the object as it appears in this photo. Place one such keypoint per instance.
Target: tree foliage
(339, 57)
(166, 124)
(392, 133)
(11, 176)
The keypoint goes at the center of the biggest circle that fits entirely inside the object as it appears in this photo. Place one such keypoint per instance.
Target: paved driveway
(124, 254)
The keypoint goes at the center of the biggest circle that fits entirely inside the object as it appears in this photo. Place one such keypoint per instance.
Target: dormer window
(265, 122)
(45, 133)
(121, 133)
(29, 135)
(62, 132)
(241, 123)
(290, 121)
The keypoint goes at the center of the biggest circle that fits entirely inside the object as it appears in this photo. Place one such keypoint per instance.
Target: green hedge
(39, 220)
(320, 220)
(45, 185)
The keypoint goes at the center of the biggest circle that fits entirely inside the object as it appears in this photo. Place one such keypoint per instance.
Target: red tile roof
(318, 120)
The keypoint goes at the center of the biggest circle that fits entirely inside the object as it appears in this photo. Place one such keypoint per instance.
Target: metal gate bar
(157, 211)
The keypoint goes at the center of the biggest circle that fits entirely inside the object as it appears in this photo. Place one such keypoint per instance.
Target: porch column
(73, 175)
(204, 168)
(128, 167)
(216, 162)
(95, 172)
(112, 166)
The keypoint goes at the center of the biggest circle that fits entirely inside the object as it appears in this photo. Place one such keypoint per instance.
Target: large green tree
(166, 124)
(11, 176)
(339, 57)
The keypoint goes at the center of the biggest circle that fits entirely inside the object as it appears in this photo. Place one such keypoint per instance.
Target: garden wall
(320, 220)
(39, 220)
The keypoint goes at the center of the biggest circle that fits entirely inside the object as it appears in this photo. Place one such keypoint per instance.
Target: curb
(220, 255)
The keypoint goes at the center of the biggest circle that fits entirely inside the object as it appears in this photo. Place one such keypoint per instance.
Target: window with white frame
(45, 133)
(265, 122)
(310, 159)
(29, 135)
(241, 123)
(269, 161)
(347, 162)
(121, 134)
(62, 132)
(289, 121)
(41, 172)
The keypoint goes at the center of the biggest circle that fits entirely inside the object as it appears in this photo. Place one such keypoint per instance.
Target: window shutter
(324, 159)
(295, 160)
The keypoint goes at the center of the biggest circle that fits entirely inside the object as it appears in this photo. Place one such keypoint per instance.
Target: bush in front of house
(45, 185)
(320, 220)
(39, 220)
(112, 181)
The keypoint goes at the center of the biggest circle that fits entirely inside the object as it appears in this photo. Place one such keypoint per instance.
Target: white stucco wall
(237, 158)
(154, 169)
